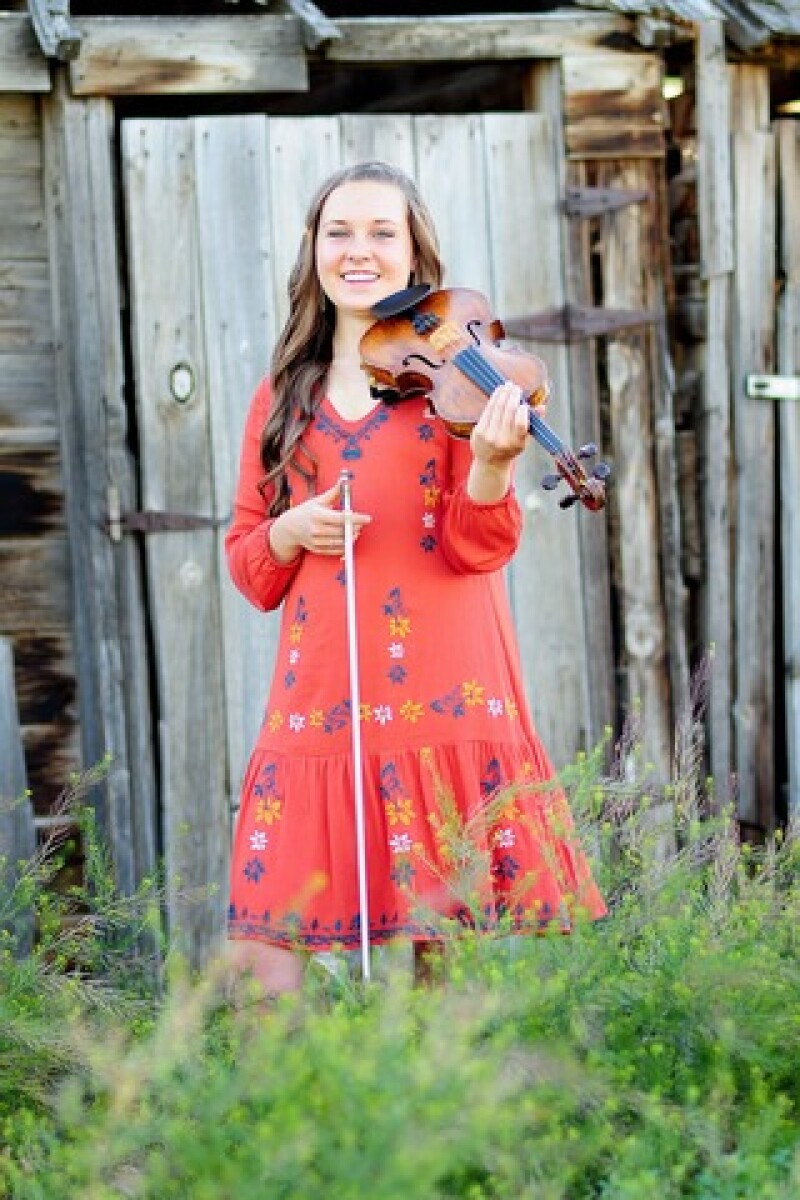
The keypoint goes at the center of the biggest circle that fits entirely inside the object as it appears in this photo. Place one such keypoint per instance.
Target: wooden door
(215, 211)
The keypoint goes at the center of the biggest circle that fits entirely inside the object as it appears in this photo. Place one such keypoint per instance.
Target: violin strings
(487, 377)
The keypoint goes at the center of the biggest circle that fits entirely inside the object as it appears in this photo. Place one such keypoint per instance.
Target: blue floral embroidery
(428, 476)
(394, 606)
(254, 869)
(351, 438)
(403, 873)
(289, 679)
(425, 432)
(452, 703)
(397, 674)
(428, 543)
(266, 780)
(337, 717)
(301, 610)
(390, 781)
(505, 867)
(493, 779)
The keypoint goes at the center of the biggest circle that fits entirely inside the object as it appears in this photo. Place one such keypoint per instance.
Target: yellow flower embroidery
(399, 626)
(268, 810)
(400, 812)
(511, 708)
(315, 718)
(295, 633)
(275, 720)
(411, 711)
(431, 495)
(472, 693)
(365, 711)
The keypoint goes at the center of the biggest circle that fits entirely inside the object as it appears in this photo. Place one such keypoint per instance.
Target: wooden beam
(142, 56)
(468, 38)
(17, 834)
(23, 67)
(56, 34)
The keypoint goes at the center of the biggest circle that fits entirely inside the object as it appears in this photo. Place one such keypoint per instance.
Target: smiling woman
(464, 824)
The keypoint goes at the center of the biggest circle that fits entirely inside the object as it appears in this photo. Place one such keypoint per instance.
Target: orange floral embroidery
(399, 626)
(315, 718)
(472, 693)
(295, 633)
(268, 810)
(275, 720)
(511, 708)
(411, 711)
(365, 711)
(431, 495)
(400, 812)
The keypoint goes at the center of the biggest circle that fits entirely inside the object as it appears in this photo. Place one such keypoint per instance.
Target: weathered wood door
(214, 213)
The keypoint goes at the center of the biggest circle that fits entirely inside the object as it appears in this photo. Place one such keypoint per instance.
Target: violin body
(444, 345)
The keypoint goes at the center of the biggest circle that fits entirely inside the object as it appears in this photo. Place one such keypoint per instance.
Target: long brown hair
(304, 348)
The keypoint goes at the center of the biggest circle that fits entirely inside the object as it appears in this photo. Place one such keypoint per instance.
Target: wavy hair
(304, 348)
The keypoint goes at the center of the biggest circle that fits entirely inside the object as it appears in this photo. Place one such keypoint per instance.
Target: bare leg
(275, 970)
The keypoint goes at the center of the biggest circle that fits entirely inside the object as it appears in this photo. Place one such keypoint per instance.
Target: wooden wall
(35, 609)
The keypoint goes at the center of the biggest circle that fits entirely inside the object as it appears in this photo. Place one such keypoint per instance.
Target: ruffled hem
(474, 836)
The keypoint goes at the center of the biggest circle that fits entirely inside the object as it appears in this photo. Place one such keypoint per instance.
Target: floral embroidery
(472, 693)
(296, 722)
(399, 626)
(254, 869)
(397, 674)
(397, 650)
(431, 491)
(400, 843)
(428, 543)
(425, 432)
(511, 708)
(505, 868)
(400, 811)
(275, 720)
(492, 779)
(364, 711)
(295, 633)
(337, 717)
(382, 713)
(452, 703)
(504, 838)
(495, 706)
(289, 679)
(402, 873)
(269, 810)
(411, 711)
(258, 840)
(316, 718)
(350, 439)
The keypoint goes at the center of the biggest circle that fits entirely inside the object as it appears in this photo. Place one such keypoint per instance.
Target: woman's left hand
(501, 432)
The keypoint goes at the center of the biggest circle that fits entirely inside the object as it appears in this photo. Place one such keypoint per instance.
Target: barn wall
(35, 609)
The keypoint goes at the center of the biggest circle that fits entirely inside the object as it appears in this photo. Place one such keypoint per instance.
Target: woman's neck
(347, 385)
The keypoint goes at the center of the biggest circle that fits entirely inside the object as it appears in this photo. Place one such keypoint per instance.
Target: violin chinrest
(400, 302)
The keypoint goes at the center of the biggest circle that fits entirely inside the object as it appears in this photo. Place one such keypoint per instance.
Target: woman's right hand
(317, 525)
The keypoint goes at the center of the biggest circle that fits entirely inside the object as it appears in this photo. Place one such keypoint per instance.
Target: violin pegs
(602, 471)
(551, 481)
(568, 501)
(587, 451)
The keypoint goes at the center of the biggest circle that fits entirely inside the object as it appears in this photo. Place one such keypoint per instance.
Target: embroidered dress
(463, 821)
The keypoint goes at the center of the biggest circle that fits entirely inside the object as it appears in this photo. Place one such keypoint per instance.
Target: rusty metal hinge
(575, 323)
(594, 201)
(152, 521)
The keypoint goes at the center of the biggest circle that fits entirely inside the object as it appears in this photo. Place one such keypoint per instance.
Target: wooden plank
(713, 119)
(26, 405)
(788, 136)
(25, 307)
(544, 93)
(471, 37)
(17, 834)
(31, 491)
(19, 115)
(35, 576)
(753, 328)
(176, 470)
(236, 253)
(45, 672)
(383, 137)
(750, 96)
(624, 255)
(524, 208)
(450, 159)
(613, 106)
(107, 620)
(182, 55)
(293, 180)
(23, 67)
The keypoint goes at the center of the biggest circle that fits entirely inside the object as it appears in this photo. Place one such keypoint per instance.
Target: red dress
(457, 830)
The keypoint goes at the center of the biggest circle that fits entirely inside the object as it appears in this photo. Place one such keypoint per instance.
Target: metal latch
(773, 387)
(152, 521)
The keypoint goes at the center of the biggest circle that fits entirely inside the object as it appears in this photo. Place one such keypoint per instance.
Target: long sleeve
(477, 537)
(254, 569)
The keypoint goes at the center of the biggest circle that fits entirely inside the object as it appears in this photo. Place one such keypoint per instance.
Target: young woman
(459, 827)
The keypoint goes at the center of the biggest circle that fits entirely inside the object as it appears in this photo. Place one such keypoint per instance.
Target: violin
(444, 345)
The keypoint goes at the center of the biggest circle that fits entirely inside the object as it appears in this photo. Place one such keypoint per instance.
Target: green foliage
(654, 1052)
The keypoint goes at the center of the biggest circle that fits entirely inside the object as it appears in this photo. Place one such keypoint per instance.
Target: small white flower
(397, 650)
(296, 722)
(429, 520)
(400, 843)
(505, 838)
(495, 706)
(382, 713)
(258, 840)
(294, 656)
